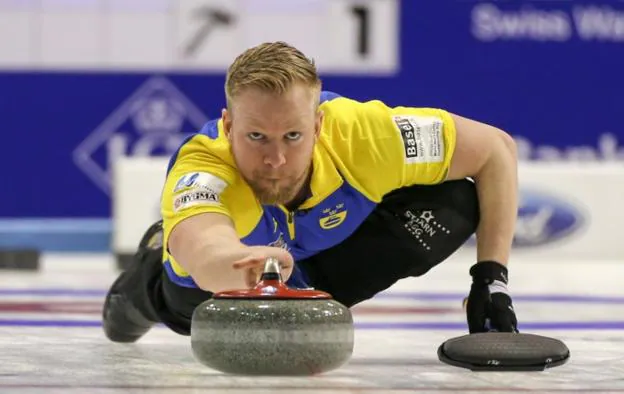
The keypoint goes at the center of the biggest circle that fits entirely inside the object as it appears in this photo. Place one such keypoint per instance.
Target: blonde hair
(272, 67)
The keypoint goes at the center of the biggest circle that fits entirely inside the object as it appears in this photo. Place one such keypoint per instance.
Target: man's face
(272, 139)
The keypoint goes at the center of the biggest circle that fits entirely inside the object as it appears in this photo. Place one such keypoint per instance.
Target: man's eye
(255, 136)
(293, 135)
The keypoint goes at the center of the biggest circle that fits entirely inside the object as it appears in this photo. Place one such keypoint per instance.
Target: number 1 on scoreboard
(363, 37)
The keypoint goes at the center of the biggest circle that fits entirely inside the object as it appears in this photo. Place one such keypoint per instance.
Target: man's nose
(274, 156)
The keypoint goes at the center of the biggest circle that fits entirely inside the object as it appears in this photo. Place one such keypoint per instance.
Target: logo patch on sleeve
(200, 180)
(195, 197)
(197, 188)
(422, 138)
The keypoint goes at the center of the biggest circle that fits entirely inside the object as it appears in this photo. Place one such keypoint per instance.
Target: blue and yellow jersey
(365, 151)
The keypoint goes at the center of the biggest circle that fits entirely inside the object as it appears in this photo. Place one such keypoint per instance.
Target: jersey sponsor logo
(422, 138)
(186, 181)
(195, 197)
(200, 180)
(423, 225)
(333, 217)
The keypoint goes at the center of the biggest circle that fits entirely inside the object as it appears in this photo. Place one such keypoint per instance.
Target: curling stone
(272, 329)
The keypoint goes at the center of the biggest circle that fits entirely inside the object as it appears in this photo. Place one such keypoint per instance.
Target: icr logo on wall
(153, 121)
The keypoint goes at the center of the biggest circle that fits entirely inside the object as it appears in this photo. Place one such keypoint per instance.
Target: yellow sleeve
(197, 182)
(391, 147)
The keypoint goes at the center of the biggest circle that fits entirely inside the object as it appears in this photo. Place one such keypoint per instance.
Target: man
(350, 197)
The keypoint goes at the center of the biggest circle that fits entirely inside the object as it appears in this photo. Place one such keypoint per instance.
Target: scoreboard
(343, 36)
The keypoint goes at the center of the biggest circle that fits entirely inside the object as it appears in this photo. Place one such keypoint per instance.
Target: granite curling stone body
(272, 330)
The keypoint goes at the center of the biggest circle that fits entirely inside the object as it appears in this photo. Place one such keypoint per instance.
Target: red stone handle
(271, 286)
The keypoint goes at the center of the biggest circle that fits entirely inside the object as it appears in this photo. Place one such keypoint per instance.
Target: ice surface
(51, 340)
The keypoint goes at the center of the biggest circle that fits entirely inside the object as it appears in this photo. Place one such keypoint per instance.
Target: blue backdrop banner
(549, 73)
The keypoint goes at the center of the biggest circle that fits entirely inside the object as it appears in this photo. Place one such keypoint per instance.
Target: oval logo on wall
(545, 217)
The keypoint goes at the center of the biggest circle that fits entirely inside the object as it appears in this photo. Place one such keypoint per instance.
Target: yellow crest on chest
(333, 217)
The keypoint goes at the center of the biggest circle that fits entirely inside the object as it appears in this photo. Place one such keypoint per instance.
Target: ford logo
(544, 218)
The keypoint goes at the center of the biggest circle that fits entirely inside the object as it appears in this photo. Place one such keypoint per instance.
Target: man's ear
(227, 123)
(318, 123)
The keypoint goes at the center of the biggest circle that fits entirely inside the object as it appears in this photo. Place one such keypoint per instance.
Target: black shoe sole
(113, 313)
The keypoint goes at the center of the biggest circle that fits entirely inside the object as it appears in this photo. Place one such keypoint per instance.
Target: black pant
(411, 231)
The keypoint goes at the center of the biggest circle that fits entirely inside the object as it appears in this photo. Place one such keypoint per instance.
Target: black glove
(489, 306)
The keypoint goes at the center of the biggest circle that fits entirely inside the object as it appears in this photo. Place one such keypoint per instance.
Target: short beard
(278, 195)
(275, 195)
